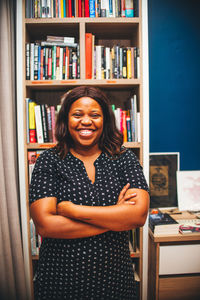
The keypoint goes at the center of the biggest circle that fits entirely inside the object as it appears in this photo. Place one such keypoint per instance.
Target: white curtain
(12, 275)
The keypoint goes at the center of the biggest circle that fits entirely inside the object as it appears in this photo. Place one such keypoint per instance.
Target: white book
(32, 61)
(107, 50)
(138, 128)
(135, 117)
(98, 62)
(38, 124)
(117, 117)
(138, 67)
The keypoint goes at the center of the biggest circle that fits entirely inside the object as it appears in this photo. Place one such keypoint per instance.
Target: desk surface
(175, 237)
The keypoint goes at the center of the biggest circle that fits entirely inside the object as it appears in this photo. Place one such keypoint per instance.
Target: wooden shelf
(117, 83)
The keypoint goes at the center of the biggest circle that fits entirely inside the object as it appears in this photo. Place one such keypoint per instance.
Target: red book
(50, 63)
(70, 8)
(88, 55)
(79, 8)
(53, 122)
(87, 10)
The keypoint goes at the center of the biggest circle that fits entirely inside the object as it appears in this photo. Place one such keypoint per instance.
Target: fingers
(123, 192)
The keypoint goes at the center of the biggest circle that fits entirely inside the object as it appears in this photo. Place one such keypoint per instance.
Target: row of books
(40, 122)
(41, 118)
(32, 157)
(81, 8)
(36, 239)
(128, 121)
(162, 222)
(110, 62)
(52, 60)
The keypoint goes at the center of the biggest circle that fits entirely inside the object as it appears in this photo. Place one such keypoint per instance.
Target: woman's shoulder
(48, 156)
(127, 154)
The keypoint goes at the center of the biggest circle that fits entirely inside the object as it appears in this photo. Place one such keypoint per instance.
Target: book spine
(107, 51)
(88, 55)
(53, 123)
(129, 63)
(43, 8)
(27, 61)
(87, 9)
(32, 61)
(123, 13)
(128, 125)
(46, 62)
(92, 8)
(32, 126)
(124, 131)
(129, 13)
(57, 62)
(54, 62)
(70, 8)
(27, 100)
(50, 63)
(38, 122)
(61, 64)
(74, 65)
(44, 123)
(49, 124)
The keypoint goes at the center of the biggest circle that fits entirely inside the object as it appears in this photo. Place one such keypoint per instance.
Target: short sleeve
(131, 171)
(43, 180)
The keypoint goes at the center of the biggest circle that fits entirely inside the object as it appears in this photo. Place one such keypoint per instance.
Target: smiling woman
(85, 194)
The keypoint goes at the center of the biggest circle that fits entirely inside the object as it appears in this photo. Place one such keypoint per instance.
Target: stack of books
(163, 223)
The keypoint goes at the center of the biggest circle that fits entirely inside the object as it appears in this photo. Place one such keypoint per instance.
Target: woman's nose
(86, 120)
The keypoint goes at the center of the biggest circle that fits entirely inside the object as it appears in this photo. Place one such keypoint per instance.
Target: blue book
(92, 8)
(129, 11)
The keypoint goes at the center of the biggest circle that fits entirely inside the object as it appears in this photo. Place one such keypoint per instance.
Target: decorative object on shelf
(188, 188)
(163, 187)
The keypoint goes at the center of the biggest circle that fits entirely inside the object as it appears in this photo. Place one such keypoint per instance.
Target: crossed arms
(69, 221)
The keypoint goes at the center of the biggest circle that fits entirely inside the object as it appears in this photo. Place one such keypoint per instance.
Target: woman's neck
(86, 153)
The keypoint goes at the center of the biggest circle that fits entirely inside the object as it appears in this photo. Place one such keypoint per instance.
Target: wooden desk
(174, 267)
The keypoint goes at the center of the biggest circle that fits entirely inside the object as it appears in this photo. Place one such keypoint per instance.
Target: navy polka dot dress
(97, 267)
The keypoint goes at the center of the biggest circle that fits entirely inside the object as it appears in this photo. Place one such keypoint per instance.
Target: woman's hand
(126, 198)
(66, 209)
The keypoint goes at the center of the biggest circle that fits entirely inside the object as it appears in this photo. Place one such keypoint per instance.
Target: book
(129, 12)
(190, 228)
(38, 122)
(87, 9)
(61, 39)
(44, 123)
(32, 126)
(92, 8)
(163, 223)
(88, 55)
(32, 156)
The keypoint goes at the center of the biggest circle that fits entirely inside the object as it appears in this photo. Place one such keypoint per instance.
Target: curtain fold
(12, 275)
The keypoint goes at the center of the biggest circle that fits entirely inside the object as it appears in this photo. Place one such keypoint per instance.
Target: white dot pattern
(98, 267)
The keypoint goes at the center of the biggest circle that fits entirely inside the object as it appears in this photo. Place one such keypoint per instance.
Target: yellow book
(32, 126)
(129, 73)
(61, 9)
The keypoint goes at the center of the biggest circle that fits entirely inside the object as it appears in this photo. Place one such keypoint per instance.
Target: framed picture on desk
(163, 183)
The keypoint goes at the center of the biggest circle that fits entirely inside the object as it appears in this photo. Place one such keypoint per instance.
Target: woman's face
(85, 122)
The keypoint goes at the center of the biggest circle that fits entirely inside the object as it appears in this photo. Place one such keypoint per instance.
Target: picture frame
(188, 188)
(163, 182)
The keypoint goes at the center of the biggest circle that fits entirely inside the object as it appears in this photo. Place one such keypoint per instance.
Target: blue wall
(174, 79)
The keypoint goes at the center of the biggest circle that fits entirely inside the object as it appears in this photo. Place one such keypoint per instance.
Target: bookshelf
(126, 32)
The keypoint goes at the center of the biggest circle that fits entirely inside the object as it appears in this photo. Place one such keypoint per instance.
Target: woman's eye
(76, 115)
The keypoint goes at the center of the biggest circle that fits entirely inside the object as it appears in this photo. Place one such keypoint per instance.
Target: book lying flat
(163, 223)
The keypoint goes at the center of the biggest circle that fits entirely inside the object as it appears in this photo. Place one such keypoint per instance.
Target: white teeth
(85, 132)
